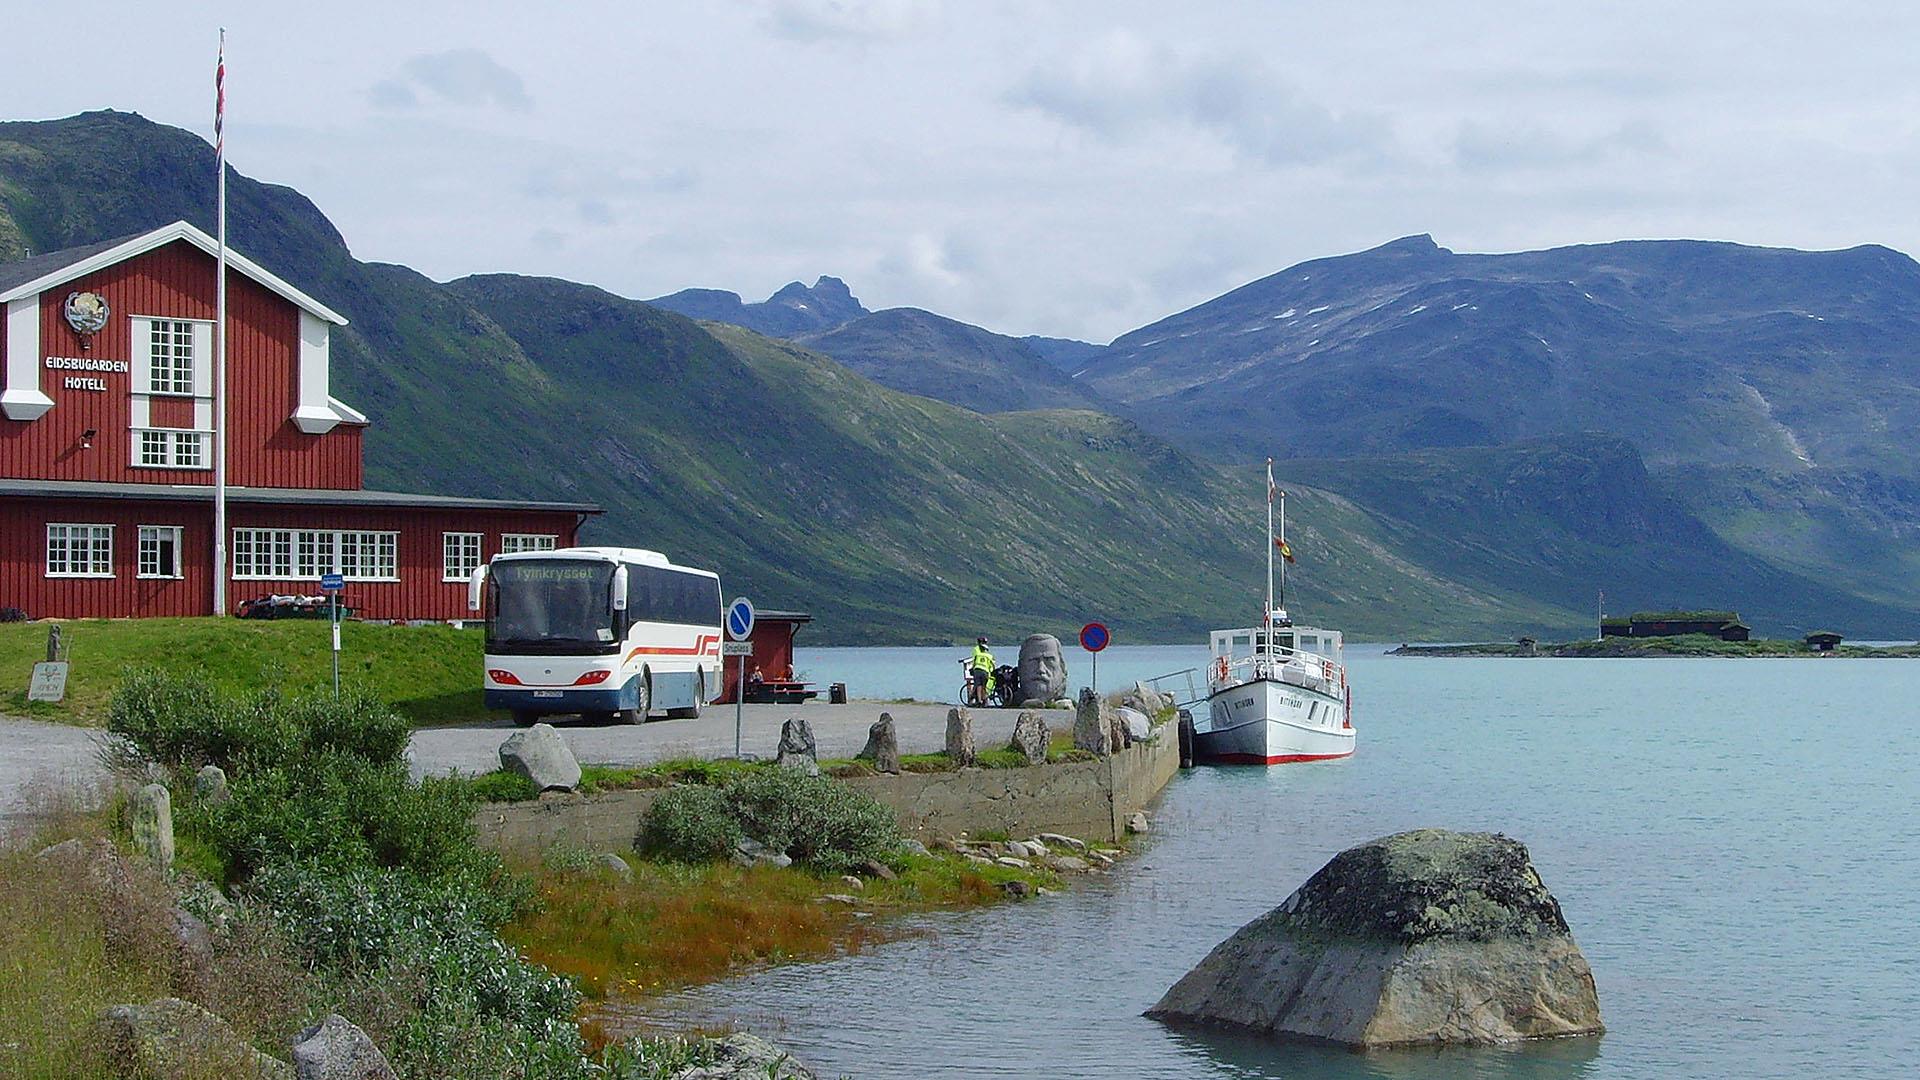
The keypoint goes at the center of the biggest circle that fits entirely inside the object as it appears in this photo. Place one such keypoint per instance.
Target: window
(657, 594)
(159, 551)
(369, 556)
(459, 555)
(512, 542)
(79, 551)
(170, 357)
(289, 554)
(169, 448)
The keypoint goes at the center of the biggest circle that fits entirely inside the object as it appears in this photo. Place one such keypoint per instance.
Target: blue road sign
(332, 582)
(1094, 637)
(740, 619)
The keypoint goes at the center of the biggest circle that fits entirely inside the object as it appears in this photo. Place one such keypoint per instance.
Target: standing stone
(960, 738)
(1091, 732)
(797, 748)
(1117, 729)
(542, 756)
(1426, 937)
(883, 745)
(1030, 737)
(210, 785)
(1043, 668)
(336, 1049)
(152, 819)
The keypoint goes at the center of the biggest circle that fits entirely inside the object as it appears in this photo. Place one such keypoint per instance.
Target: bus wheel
(525, 718)
(692, 712)
(638, 714)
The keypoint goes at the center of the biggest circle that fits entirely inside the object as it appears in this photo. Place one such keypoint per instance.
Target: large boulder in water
(1043, 669)
(1422, 937)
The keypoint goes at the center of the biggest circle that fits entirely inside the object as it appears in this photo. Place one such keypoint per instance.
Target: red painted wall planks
(265, 449)
(418, 594)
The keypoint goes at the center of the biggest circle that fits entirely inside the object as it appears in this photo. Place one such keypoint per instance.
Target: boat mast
(1270, 547)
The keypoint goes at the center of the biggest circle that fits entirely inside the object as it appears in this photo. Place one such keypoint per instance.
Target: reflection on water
(1736, 855)
(1225, 1054)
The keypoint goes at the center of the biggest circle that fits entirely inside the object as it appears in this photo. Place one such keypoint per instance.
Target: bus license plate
(546, 693)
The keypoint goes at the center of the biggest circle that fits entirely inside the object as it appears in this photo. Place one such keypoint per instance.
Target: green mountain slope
(891, 516)
(937, 357)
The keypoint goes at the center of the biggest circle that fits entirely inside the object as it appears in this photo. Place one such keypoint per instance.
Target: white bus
(600, 631)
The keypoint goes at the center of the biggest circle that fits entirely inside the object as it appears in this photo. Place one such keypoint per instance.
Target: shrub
(815, 820)
(342, 810)
(503, 786)
(691, 823)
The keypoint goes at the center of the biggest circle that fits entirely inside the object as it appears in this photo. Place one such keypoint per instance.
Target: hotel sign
(86, 363)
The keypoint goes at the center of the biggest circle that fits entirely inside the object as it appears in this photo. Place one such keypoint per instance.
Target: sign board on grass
(49, 682)
(332, 582)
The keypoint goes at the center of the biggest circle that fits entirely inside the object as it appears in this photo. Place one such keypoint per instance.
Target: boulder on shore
(542, 756)
(1425, 937)
(170, 1037)
(336, 1049)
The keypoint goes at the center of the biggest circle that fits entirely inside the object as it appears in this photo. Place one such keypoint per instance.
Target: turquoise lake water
(1734, 842)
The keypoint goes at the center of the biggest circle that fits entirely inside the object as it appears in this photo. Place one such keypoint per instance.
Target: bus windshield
(551, 606)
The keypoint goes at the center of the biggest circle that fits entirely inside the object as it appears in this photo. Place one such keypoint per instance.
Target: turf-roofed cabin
(107, 449)
(1725, 625)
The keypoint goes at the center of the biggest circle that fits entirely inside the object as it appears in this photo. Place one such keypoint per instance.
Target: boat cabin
(1241, 644)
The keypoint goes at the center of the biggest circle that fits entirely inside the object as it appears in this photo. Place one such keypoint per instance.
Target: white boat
(1276, 692)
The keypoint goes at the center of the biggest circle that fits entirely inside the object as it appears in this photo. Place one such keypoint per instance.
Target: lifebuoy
(1326, 670)
(1220, 670)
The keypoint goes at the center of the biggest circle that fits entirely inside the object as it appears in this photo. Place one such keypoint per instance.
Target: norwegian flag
(220, 98)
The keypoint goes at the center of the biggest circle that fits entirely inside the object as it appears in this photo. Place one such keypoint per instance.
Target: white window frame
(178, 344)
(512, 542)
(172, 445)
(89, 534)
(153, 533)
(305, 554)
(459, 555)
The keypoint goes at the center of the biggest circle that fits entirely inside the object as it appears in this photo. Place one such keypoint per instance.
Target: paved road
(39, 760)
(840, 731)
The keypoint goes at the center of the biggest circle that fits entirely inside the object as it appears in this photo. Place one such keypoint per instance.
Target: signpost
(331, 584)
(49, 682)
(739, 628)
(1093, 638)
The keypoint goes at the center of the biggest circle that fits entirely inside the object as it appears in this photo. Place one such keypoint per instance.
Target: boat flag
(1286, 551)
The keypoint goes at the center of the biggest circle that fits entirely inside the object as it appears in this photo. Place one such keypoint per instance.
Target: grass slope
(429, 674)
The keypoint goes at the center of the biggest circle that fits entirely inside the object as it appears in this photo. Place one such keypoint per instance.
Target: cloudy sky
(1074, 168)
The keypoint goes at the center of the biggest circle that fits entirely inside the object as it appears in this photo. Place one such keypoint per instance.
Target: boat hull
(1265, 722)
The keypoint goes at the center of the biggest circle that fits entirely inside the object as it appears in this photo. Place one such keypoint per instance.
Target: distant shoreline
(1693, 645)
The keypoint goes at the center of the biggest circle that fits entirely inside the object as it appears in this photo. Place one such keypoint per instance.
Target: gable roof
(39, 273)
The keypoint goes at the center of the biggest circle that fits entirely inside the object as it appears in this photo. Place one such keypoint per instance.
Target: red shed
(106, 449)
(772, 641)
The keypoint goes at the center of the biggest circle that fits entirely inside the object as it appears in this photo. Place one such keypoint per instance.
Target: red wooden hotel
(106, 449)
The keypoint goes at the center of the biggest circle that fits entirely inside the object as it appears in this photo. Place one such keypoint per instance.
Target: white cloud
(467, 77)
(1123, 86)
(845, 20)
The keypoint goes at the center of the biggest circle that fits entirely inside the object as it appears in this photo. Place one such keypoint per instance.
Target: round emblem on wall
(87, 312)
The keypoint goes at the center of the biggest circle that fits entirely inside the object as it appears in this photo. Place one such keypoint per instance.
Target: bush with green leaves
(815, 820)
(691, 822)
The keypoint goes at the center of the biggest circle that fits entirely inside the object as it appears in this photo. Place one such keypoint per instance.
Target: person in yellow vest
(979, 673)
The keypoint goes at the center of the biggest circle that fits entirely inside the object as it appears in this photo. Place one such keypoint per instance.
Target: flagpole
(220, 338)
(1270, 546)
